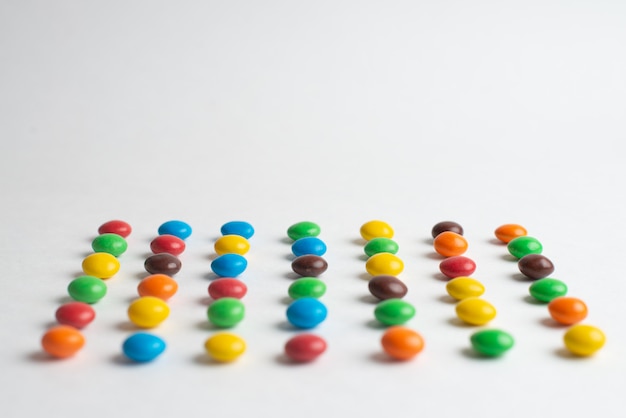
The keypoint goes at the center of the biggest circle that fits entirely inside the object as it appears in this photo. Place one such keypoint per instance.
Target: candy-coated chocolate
(111, 243)
(524, 245)
(457, 266)
(402, 343)
(160, 286)
(241, 228)
(308, 245)
(492, 342)
(303, 229)
(166, 243)
(535, 266)
(227, 287)
(309, 265)
(386, 287)
(384, 264)
(225, 347)
(62, 341)
(508, 232)
(450, 244)
(567, 310)
(464, 287)
(174, 227)
(307, 287)
(88, 289)
(380, 245)
(148, 311)
(376, 229)
(394, 311)
(143, 347)
(584, 340)
(446, 226)
(118, 227)
(226, 312)
(306, 312)
(229, 265)
(235, 244)
(475, 311)
(102, 265)
(163, 263)
(305, 347)
(75, 314)
(547, 289)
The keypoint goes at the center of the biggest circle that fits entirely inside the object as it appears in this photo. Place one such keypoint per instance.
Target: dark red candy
(387, 287)
(305, 347)
(227, 287)
(309, 265)
(75, 314)
(446, 226)
(170, 244)
(162, 263)
(457, 266)
(535, 266)
(118, 227)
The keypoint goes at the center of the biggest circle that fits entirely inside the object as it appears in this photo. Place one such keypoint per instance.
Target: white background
(273, 112)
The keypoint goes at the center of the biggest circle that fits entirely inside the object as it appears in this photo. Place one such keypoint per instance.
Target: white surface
(338, 112)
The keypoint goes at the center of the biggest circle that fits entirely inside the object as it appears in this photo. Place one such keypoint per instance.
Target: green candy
(521, 246)
(492, 342)
(226, 312)
(394, 311)
(303, 229)
(88, 289)
(109, 243)
(547, 289)
(380, 245)
(307, 287)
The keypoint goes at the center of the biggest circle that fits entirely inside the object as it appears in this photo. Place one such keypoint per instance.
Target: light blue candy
(179, 229)
(143, 347)
(306, 313)
(241, 228)
(229, 265)
(308, 245)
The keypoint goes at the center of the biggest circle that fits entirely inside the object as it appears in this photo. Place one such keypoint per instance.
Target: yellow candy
(384, 263)
(102, 265)
(464, 287)
(225, 347)
(584, 340)
(148, 311)
(475, 311)
(376, 229)
(228, 244)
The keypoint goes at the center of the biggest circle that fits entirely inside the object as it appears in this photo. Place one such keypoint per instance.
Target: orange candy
(507, 232)
(62, 341)
(567, 310)
(450, 244)
(402, 343)
(160, 286)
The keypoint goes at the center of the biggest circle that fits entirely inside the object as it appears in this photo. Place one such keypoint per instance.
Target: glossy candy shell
(508, 232)
(384, 264)
(102, 265)
(464, 287)
(88, 289)
(584, 340)
(394, 311)
(306, 313)
(229, 265)
(449, 244)
(402, 343)
(148, 311)
(456, 266)
(231, 244)
(535, 266)
(386, 287)
(241, 228)
(492, 342)
(113, 244)
(376, 229)
(545, 290)
(226, 312)
(524, 245)
(227, 287)
(225, 347)
(380, 245)
(308, 245)
(305, 347)
(309, 265)
(307, 287)
(567, 310)
(303, 229)
(446, 226)
(118, 227)
(475, 311)
(142, 347)
(166, 243)
(75, 314)
(162, 263)
(177, 228)
(161, 286)
(62, 341)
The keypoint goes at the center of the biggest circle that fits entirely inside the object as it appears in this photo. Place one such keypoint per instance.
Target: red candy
(167, 244)
(227, 287)
(120, 228)
(75, 314)
(457, 266)
(305, 347)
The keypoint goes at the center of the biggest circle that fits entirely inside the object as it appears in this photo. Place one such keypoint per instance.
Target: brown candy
(163, 263)
(446, 226)
(387, 287)
(535, 266)
(309, 265)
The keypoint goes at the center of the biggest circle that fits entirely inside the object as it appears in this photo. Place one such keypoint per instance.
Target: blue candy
(143, 347)
(306, 312)
(179, 229)
(241, 228)
(229, 265)
(308, 245)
